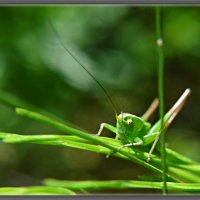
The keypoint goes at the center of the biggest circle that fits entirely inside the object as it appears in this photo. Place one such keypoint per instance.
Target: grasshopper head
(130, 126)
(125, 126)
(125, 118)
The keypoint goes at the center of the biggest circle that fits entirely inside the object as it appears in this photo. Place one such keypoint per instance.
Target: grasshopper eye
(129, 121)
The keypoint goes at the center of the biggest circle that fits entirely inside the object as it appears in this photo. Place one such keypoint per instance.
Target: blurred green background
(117, 45)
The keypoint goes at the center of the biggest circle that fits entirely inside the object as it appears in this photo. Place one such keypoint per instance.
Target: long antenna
(91, 75)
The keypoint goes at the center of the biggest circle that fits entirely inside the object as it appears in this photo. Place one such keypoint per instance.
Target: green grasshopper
(136, 131)
(130, 129)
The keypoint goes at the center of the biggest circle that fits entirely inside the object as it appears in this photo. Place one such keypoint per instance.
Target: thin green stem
(159, 37)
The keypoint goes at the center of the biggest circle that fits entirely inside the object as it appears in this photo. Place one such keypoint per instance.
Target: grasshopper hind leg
(149, 139)
(153, 147)
(169, 117)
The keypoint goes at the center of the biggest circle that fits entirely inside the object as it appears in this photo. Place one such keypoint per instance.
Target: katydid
(130, 129)
(136, 131)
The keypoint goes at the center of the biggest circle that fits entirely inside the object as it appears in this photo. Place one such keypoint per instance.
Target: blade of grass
(71, 141)
(172, 156)
(192, 168)
(121, 184)
(80, 143)
(179, 158)
(35, 190)
(185, 175)
(69, 130)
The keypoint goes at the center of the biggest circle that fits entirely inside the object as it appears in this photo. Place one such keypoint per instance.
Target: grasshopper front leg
(109, 127)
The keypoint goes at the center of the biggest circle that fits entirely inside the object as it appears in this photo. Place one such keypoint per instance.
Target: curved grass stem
(181, 168)
(69, 130)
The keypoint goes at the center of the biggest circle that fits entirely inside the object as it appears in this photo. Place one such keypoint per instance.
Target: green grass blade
(69, 130)
(184, 174)
(122, 184)
(192, 168)
(80, 143)
(176, 157)
(35, 190)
